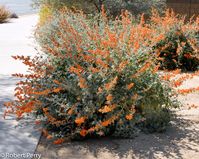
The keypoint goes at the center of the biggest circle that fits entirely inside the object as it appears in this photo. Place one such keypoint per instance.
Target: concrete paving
(16, 38)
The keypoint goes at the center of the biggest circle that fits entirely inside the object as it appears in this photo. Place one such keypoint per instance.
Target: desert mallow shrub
(96, 78)
(178, 45)
(177, 39)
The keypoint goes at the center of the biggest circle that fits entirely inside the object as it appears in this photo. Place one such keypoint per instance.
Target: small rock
(14, 15)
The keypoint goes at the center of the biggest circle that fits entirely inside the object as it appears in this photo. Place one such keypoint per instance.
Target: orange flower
(70, 111)
(145, 67)
(177, 83)
(155, 69)
(109, 121)
(45, 92)
(122, 65)
(82, 83)
(56, 82)
(142, 20)
(58, 141)
(8, 104)
(103, 12)
(129, 117)
(142, 69)
(105, 43)
(106, 123)
(80, 120)
(107, 108)
(170, 75)
(109, 98)
(19, 114)
(57, 90)
(75, 70)
(159, 38)
(130, 86)
(136, 46)
(94, 70)
(49, 137)
(185, 91)
(176, 72)
(83, 132)
(110, 85)
(101, 63)
(189, 90)
(91, 129)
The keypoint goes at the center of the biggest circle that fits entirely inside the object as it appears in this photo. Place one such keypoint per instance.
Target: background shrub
(113, 7)
(4, 14)
(96, 77)
(45, 14)
(178, 48)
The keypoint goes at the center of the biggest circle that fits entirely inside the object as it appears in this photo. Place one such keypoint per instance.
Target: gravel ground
(180, 141)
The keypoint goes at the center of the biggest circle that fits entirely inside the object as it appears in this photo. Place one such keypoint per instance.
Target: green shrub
(172, 59)
(96, 77)
(113, 7)
(178, 47)
(4, 14)
(156, 120)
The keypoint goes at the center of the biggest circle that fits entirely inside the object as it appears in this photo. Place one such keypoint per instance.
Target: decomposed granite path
(16, 138)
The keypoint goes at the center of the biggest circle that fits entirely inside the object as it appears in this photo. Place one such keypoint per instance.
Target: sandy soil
(180, 141)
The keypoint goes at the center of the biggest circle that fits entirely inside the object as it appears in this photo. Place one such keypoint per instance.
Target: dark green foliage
(155, 120)
(178, 53)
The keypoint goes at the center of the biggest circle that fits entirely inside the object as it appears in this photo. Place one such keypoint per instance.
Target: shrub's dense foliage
(97, 77)
(178, 48)
(180, 38)
(4, 14)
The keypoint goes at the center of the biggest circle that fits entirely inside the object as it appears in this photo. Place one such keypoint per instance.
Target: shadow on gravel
(15, 137)
(7, 86)
(180, 138)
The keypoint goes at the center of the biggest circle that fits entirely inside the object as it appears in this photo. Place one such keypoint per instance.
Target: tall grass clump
(95, 78)
(4, 14)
